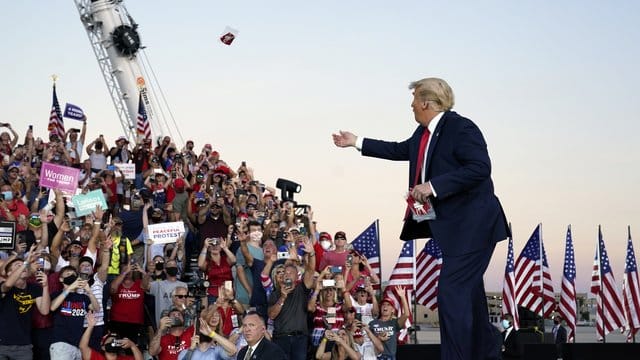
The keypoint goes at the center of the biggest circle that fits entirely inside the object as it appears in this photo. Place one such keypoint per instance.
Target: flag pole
(633, 334)
(415, 303)
(541, 275)
(379, 252)
(599, 299)
(575, 301)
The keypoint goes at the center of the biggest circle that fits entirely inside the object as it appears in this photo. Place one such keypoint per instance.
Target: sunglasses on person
(181, 296)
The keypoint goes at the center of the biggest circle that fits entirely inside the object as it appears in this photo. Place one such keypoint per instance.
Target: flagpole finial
(54, 78)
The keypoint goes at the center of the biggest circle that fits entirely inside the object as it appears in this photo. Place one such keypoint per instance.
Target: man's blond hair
(435, 91)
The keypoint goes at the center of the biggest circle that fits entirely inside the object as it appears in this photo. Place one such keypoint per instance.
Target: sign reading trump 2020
(84, 204)
(166, 232)
(59, 177)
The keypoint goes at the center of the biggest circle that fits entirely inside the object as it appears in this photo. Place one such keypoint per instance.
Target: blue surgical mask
(506, 324)
(8, 195)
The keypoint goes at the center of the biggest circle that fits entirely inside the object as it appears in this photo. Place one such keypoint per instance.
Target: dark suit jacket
(561, 335)
(511, 346)
(469, 216)
(266, 350)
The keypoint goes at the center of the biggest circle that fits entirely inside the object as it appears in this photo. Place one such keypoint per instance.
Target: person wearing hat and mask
(337, 256)
(112, 347)
(387, 326)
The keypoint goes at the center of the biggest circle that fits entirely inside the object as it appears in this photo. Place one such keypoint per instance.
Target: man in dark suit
(449, 168)
(510, 343)
(559, 334)
(253, 329)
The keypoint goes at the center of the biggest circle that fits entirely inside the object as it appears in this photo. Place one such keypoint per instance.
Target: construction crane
(125, 66)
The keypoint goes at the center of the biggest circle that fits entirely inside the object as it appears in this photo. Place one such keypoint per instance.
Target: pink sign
(59, 177)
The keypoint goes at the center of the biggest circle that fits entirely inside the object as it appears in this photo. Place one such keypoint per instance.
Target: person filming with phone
(288, 307)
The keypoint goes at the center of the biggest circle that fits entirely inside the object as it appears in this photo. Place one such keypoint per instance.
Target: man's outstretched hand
(344, 139)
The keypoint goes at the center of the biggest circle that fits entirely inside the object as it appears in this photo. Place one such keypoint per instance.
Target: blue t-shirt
(258, 294)
(212, 353)
(16, 307)
(68, 319)
(241, 293)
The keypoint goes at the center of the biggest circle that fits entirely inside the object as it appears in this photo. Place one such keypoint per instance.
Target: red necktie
(424, 140)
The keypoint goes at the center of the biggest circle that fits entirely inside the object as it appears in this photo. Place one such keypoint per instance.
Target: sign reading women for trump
(166, 232)
(84, 204)
(59, 177)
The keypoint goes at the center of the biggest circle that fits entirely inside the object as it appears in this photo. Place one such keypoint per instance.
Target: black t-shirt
(16, 307)
(293, 315)
(68, 318)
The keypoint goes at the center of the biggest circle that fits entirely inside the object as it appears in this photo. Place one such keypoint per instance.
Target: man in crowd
(288, 307)
(163, 289)
(17, 301)
(258, 347)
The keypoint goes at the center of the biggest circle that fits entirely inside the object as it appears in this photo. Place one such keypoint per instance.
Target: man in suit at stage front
(258, 347)
(450, 171)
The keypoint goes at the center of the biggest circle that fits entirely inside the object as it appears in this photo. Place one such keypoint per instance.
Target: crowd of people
(252, 277)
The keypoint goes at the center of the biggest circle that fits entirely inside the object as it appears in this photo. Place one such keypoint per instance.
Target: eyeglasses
(340, 238)
(181, 296)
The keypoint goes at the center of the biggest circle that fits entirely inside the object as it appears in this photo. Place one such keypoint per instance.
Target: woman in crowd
(343, 346)
(216, 260)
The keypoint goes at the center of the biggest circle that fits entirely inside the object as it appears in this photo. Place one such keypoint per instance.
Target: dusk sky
(552, 85)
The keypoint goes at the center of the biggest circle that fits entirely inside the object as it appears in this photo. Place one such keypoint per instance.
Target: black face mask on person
(70, 279)
(172, 271)
(159, 266)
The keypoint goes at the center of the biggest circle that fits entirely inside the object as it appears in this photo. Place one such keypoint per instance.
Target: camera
(283, 255)
(328, 283)
(288, 283)
(349, 261)
(84, 276)
(198, 285)
(336, 269)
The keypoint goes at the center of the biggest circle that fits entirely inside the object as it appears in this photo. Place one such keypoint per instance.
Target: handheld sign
(73, 112)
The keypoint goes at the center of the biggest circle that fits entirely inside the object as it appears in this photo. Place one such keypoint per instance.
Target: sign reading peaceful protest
(73, 112)
(59, 177)
(166, 232)
(7, 235)
(128, 170)
(85, 204)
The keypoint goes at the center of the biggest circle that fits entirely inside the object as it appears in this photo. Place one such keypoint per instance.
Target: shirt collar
(434, 122)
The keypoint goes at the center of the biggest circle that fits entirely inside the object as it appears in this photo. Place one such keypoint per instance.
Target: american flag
(509, 305)
(402, 275)
(56, 123)
(631, 291)
(428, 264)
(568, 306)
(534, 289)
(143, 129)
(368, 244)
(610, 313)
